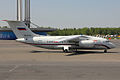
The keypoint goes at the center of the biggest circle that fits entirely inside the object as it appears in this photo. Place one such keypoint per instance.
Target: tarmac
(19, 61)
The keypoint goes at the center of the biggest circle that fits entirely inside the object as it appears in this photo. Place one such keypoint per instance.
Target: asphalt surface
(24, 62)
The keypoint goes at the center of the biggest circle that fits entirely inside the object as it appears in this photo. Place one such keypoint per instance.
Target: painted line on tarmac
(14, 68)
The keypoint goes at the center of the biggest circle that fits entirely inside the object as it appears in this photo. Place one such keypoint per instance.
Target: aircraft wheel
(66, 51)
(74, 50)
(105, 51)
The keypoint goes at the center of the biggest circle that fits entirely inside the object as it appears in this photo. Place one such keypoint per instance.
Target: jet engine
(86, 43)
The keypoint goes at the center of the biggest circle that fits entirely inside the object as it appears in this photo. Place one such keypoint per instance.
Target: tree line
(86, 31)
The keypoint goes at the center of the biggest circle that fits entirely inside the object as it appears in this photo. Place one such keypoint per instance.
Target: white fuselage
(52, 42)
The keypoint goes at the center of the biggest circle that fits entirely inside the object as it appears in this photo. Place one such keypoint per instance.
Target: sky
(67, 13)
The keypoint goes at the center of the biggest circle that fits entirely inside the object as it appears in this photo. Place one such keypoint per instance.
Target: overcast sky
(67, 13)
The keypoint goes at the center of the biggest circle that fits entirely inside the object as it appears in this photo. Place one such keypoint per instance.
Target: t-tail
(21, 30)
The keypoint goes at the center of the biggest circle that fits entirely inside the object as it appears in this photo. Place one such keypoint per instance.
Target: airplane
(66, 43)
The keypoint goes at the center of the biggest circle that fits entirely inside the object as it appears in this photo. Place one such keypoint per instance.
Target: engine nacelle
(86, 43)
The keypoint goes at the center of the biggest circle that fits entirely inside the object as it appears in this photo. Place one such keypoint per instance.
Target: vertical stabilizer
(21, 30)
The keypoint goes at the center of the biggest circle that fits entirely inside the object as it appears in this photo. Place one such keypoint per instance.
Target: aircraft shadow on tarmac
(73, 53)
(45, 51)
(88, 52)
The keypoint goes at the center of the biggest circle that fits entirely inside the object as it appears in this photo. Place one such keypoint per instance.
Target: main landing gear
(66, 49)
(105, 51)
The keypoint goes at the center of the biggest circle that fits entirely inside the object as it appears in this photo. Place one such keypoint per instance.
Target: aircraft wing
(73, 38)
